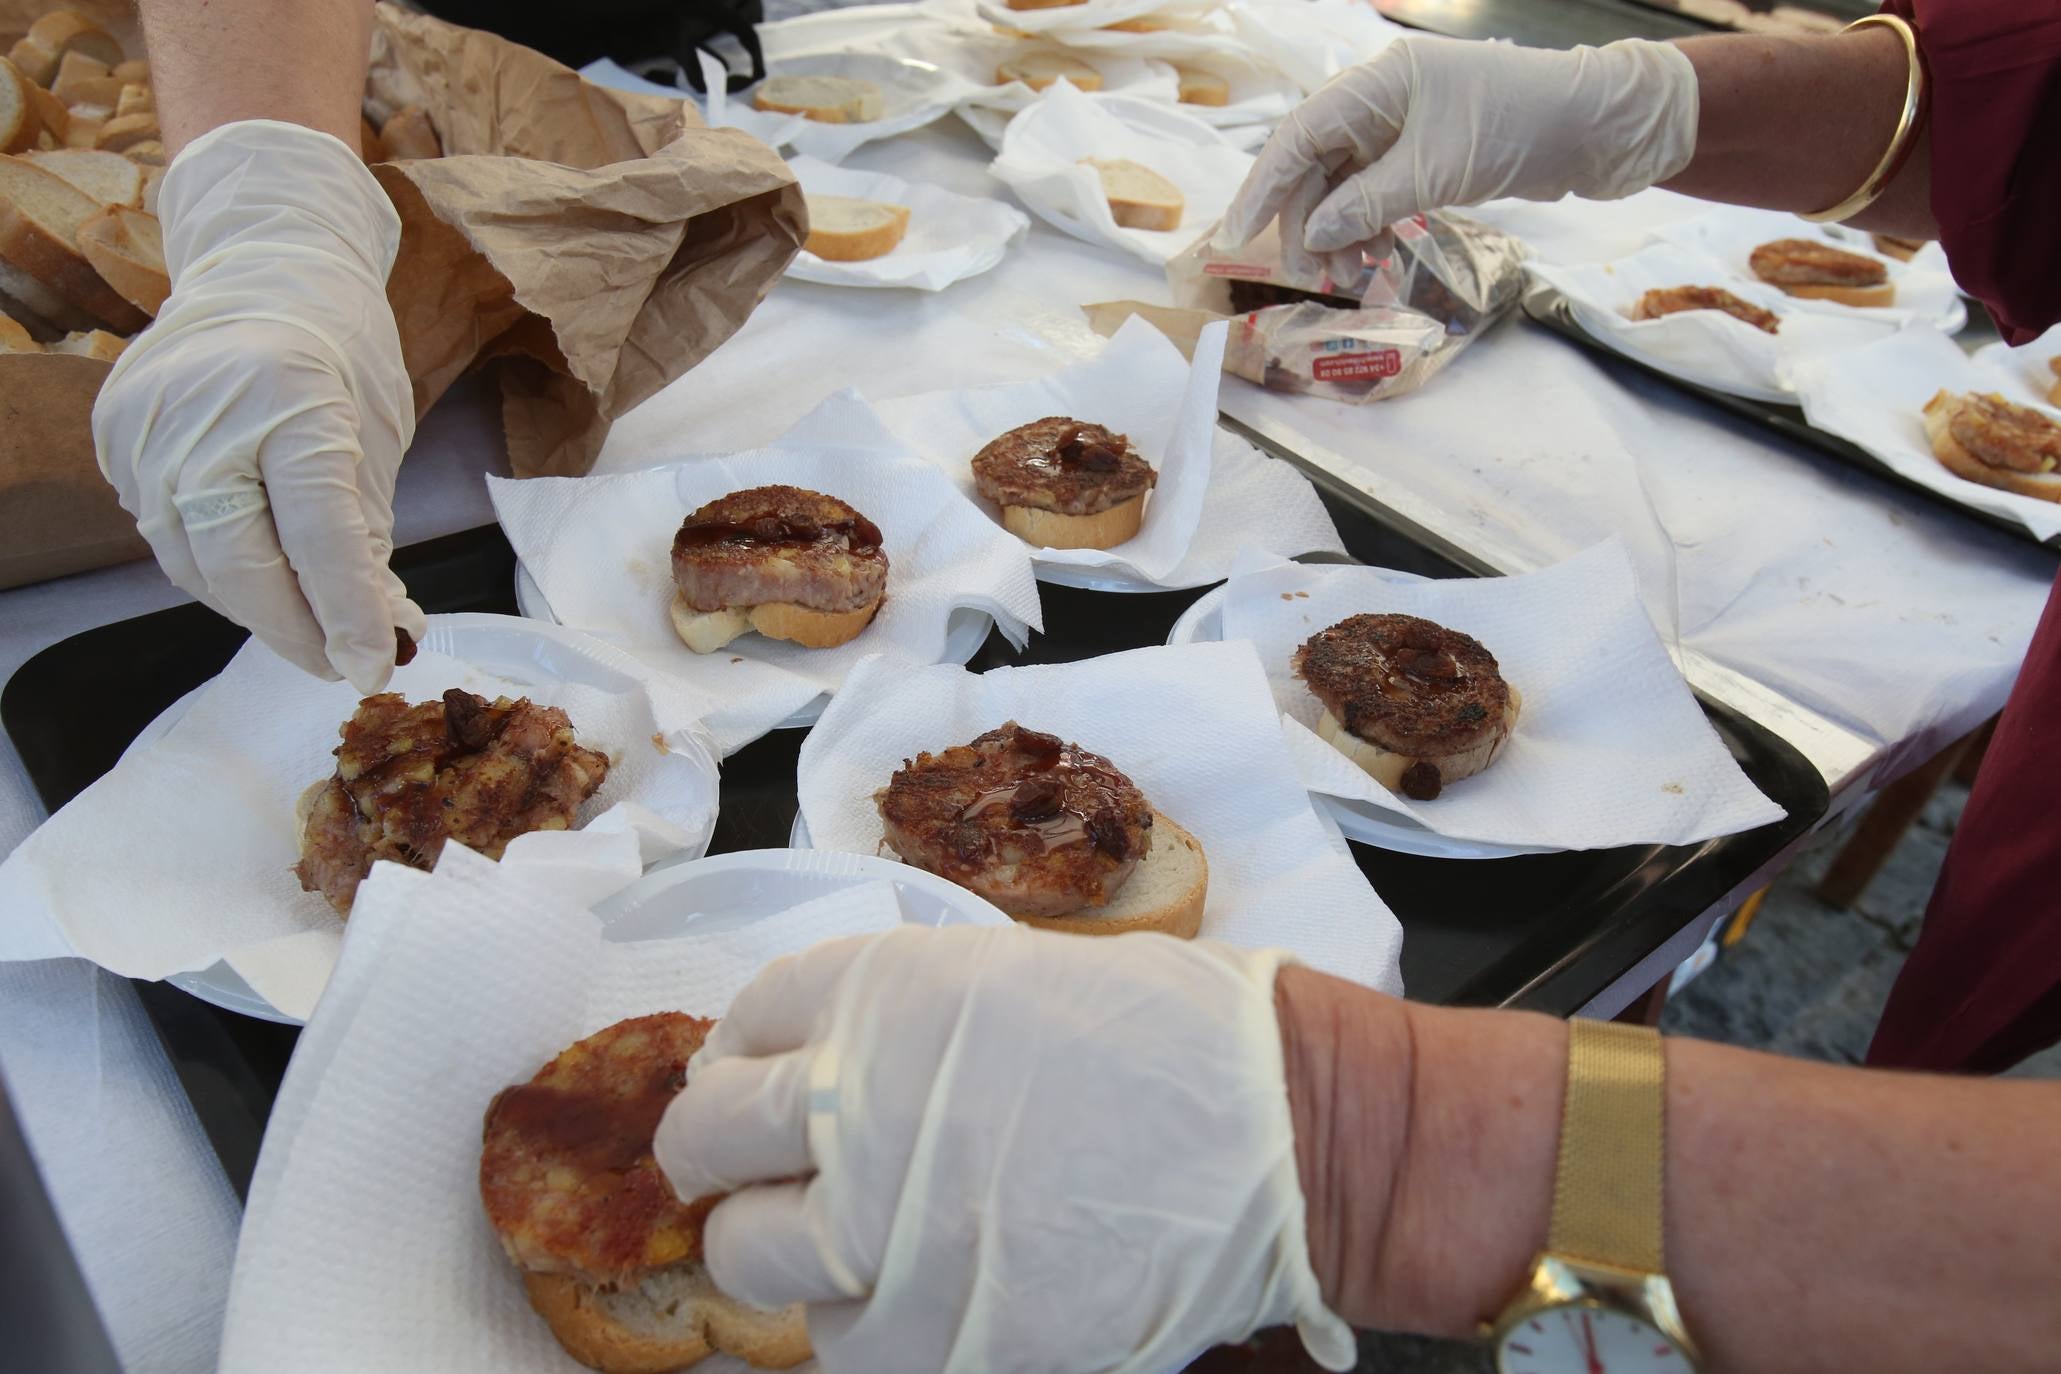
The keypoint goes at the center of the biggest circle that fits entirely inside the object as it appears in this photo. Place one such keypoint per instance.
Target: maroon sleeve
(1996, 150)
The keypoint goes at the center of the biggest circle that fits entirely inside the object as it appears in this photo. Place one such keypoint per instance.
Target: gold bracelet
(1906, 127)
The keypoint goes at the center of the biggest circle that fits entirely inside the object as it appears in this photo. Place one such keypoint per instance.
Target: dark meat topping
(857, 534)
(404, 648)
(1061, 464)
(1405, 684)
(1422, 782)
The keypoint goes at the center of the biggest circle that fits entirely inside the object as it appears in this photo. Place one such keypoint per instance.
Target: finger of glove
(762, 1245)
(235, 550)
(310, 467)
(777, 1010)
(1302, 266)
(1363, 205)
(1289, 156)
(738, 1121)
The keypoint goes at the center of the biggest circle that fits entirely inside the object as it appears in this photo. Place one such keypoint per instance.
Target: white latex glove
(1030, 1151)
(255, 429)
(1435, 122)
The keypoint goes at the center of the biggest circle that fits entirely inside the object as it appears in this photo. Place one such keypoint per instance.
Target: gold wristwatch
(1598, 1300)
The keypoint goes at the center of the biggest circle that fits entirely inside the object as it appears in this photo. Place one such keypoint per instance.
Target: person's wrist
(1349, 1061)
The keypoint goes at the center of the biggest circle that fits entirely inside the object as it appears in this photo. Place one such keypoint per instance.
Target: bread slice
(672, 1318)
(1165, 892)
(135, 100)
(1892, 246)
(1200, 86)
(40, 215)
(1387, 767)
(1051, 529)
(149, 153)
(124, 131)
(82, 129)
(15, 337)
(135, 71)
(56, 119)
(20, 122)
(33, 61)
(825, 99)
(67, 31)
(1139, 197)
(408, 135)
(1041, 67)
(1043, 4)
(1955, 458)
(109, 178)
(847, 229)
(1144, 23)
(707, 631)
(126, 247)
(44, 311)
(91, 343)
(151, 177)
(1883, 293)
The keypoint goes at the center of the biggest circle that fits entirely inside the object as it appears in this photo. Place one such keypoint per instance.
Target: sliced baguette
(847, 229)
(67, 31)
(1883, 293)
(670, 1319)
(1387, 767)
(91, 343)
(126, 247)
(1040, 68)
(45, 313)
(125, 131)
(149, 153)
(109, 178)
(1144, 23)
(151, 177)
(34, 61)
(1955, 458)
(707, 631)
(15, 337)
(825, 99)
(57, 120)
(40, 215)
(1165, 892)
(1139, 198)
(135, 100)
(136, 71)
(20, 121)
(82, 129)
(1051, 529)
(408, 135)
(1043, 4)
(1200, 86)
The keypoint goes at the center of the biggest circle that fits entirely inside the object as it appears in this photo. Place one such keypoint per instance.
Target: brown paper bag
(593, 244)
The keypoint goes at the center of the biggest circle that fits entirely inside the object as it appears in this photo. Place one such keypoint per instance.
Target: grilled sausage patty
(779, 543)
(1060, 464)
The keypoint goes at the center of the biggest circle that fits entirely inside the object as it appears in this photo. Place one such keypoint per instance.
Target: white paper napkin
(1090, 14)
(364, 1245)
(1312, 40)
(1875, 396)
(913, 94)
(1260, 92)
(1192, 726)
(1610, 746)
(2027, 366)
(1041, 161)
(600, 548)
(976, 57)
(950, 237)
(1925, 290)
(1138, 385)
(183, 854)
(1707, 347)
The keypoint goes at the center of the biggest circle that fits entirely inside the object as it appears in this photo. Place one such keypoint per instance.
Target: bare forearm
(1808, 1207)
(301, 61)
(1799, 123)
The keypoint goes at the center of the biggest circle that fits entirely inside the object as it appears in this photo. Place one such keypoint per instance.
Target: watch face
(1588, 1340)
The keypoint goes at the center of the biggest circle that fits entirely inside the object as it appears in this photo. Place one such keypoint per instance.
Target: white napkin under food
(1925, 290)
(1312, 40)
(1875, 397)
(1089, 14)
(976, 58)
(1260, 92)
(1707, 347)
(1193, 726)
(2028, 366)
(600, 549)
(1043, 149)
(1138, 385)
(913, 94)
(183, 854)
(1610, 746)
(364, 1245)
(950, 237)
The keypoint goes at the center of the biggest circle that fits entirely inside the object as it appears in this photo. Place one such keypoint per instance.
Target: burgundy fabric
(1996, 150)
(1983, 988)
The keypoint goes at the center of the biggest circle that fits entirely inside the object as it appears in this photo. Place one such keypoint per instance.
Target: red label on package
(1235, 269)
(1357, 367)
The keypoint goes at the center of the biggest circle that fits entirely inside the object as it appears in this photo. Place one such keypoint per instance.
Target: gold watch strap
(1607, 1186)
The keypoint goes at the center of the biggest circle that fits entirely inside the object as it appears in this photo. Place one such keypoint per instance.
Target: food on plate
(2054, 392)
(1673, 300)
(1053, 835)
(1200, 86)
(1065, 484)
(787, 562)
(1041, 67)
(409, 777)
(825, 99)
(1984, 438)
(1144, 23)
(1417, 706)
(1902, 249)
(1139, 198)
(848, 229)
(610, 1258)
(1818, 271)
(1043, 4)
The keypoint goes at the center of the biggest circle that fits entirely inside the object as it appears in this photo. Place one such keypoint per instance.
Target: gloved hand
(1434, 122)
(255, 429)
(1030, 1151)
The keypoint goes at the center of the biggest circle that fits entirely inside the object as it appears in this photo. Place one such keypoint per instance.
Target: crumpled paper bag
(1193, 726)
(452, 986)
(183, 853)
(1610, 746)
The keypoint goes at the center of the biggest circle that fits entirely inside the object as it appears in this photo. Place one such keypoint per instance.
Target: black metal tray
(1545, 931)
(1551, 309)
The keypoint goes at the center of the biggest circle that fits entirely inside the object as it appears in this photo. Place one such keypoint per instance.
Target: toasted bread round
(849, 229)
(1864, 296)
(1051, 529)
(1043, 66)
(1139, 198)
(1201, 86)
(1388, 767)
(668, 1320)
(824, 99)
(707, 631)
(1955, 457)
(1166, 892)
